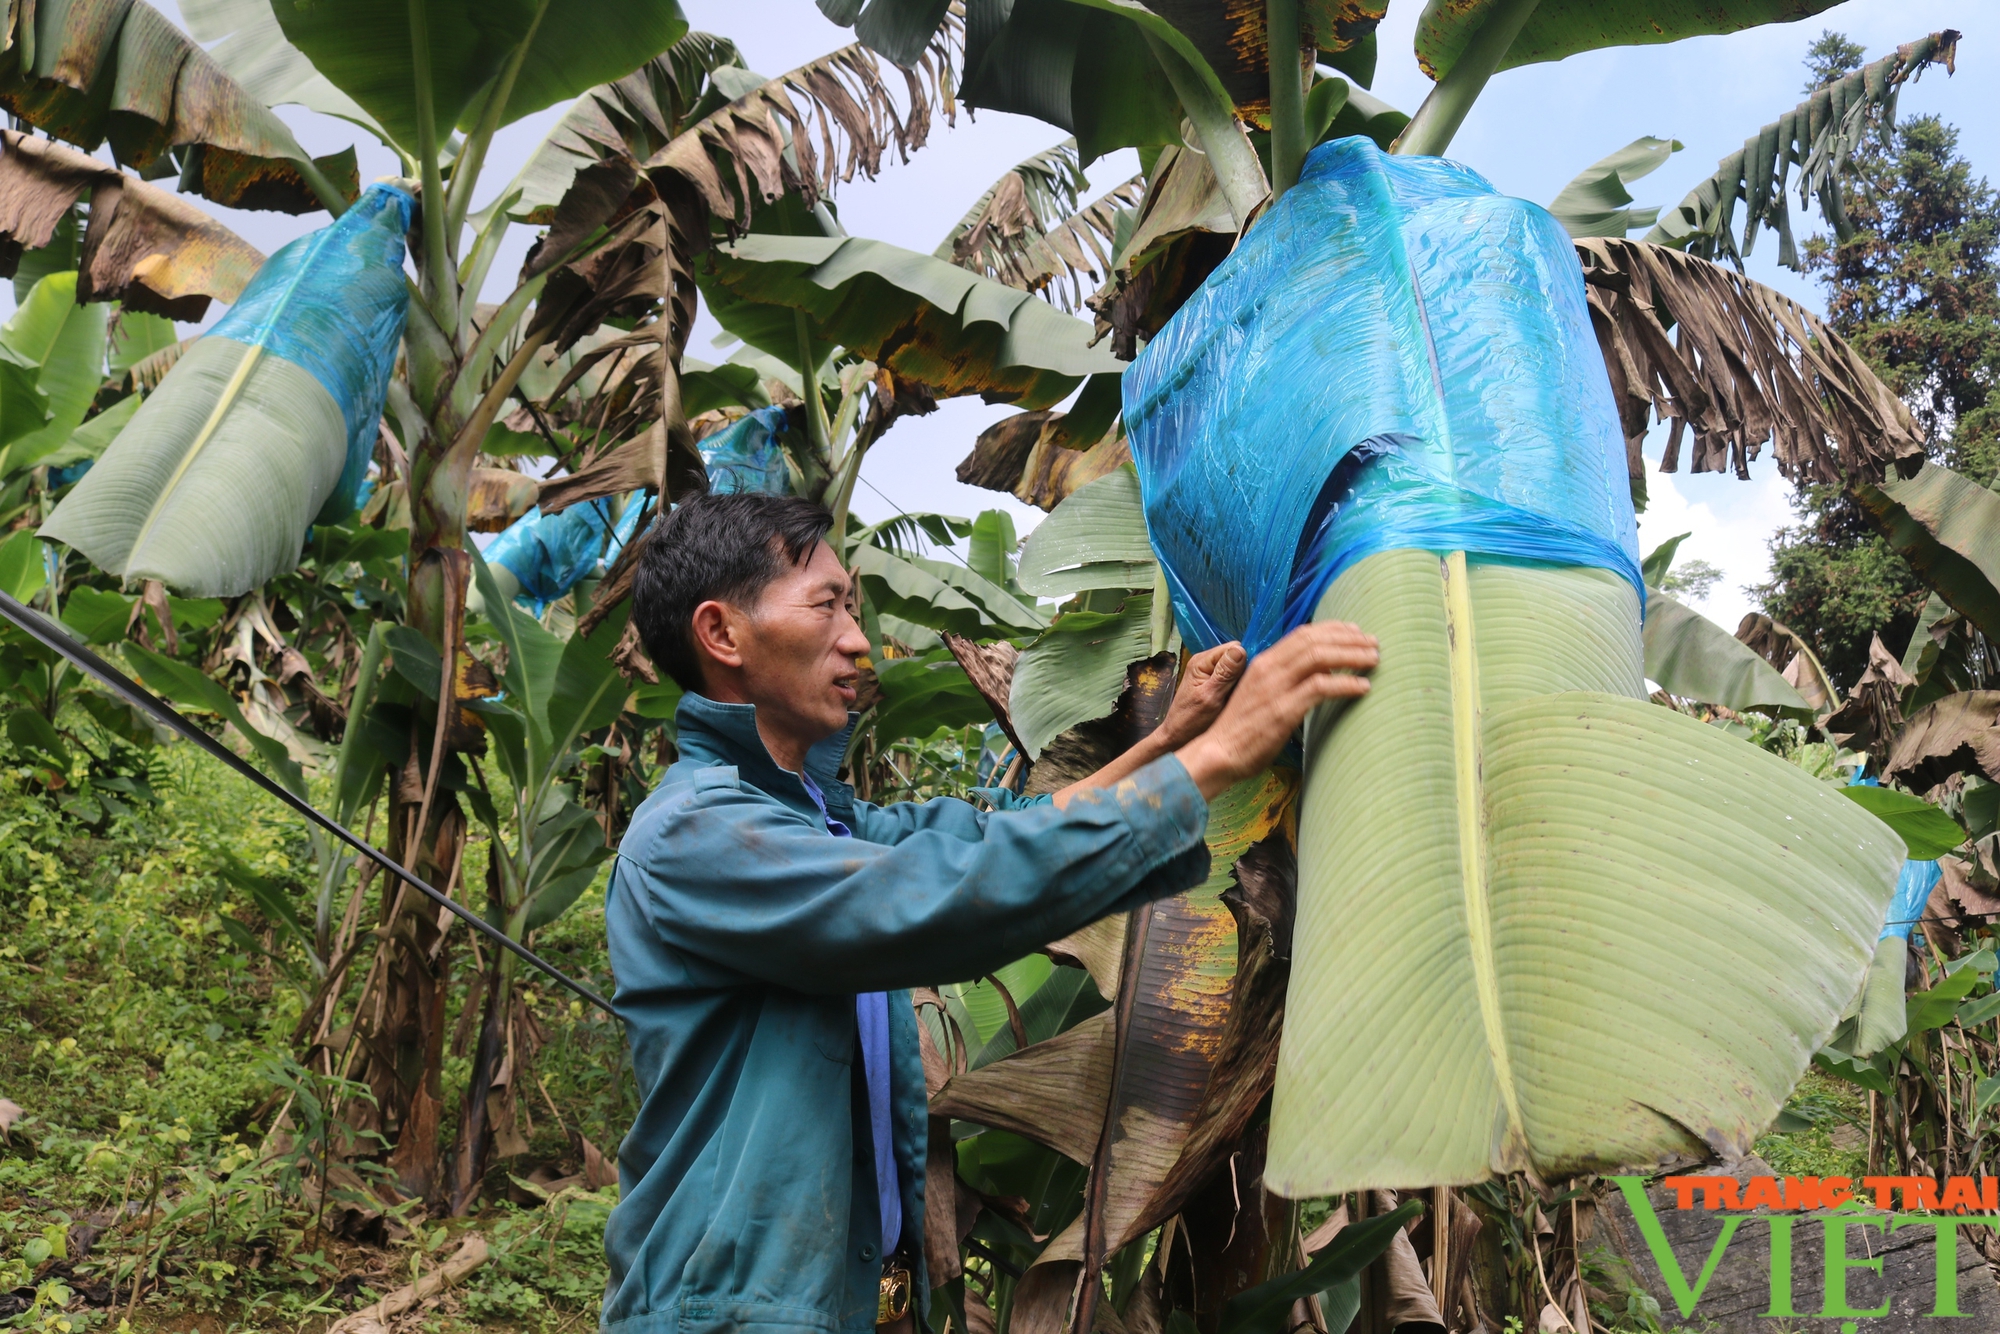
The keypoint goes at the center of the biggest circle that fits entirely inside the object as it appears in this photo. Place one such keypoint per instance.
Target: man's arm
(730, 877)
(736, 879)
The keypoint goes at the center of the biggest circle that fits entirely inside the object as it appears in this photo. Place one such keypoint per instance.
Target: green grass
(1835, 1145)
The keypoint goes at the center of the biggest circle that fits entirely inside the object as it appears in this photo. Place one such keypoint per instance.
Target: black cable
(52, 637)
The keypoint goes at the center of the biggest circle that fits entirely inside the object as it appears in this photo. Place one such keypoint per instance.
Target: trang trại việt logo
(1872, 1202)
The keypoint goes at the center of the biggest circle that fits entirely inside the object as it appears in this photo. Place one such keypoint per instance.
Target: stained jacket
(740, 932)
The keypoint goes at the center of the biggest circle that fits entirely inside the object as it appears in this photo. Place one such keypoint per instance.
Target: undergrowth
(166, 1129)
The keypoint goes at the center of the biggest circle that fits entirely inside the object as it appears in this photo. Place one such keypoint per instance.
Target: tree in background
(1912, 283)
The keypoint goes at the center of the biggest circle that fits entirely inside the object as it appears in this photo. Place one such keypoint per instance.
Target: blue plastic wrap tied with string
(549, 554)
(1395, 356)
(745, 455)
(333, 302)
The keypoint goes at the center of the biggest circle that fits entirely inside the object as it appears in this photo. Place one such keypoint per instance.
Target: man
(773, 1180)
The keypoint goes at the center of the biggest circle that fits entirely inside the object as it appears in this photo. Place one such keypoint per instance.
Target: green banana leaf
(942, 595)
(1558, 28)
(1927, 832)
(990, 550)
(923, 318)
(22, 573)
(899, 29)
(1637, 929)
(64, 343)
(1086, 69)
(122, 71)
(212, 486)
(1694, 658)
(556, 691)
(1948, 527)
(1076, 670)
(135, 336)
(97, 615)
(365, 49)
(90, 440)
(190, 687)
(1095, 539)
(245, 39)
(1596, 202)
(924, 693)
(1816, 136)
(1267, 1308)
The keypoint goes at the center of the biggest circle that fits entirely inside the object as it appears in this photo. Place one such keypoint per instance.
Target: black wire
(50, 636)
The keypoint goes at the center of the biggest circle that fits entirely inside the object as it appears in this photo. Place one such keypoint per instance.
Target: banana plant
(1254, 126)
(554, 693)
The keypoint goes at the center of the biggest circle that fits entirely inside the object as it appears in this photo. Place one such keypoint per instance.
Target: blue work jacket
(740, 933)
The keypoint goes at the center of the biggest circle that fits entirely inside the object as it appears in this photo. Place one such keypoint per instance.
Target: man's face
(799, 645)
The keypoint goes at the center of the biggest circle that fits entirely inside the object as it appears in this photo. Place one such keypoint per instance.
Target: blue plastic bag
(548, 555)
(1395, 356)
(744, 456)
(1913, 891)
(334, 301)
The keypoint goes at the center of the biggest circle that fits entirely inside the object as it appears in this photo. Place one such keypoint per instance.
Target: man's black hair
(728, 548)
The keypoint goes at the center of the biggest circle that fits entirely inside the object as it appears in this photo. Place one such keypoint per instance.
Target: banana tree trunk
(401, 1031)
(506, 900)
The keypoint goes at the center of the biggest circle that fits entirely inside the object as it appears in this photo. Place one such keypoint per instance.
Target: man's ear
(717, 629)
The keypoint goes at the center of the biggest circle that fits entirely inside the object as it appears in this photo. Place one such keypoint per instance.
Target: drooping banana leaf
(924, 319)
(1094, 539)
(65, 343)
(1613, 896)
(1694, 658)
(120, 70)
(262, 426)
(1164, 1096)
(1948, 527)
(365, 48)
(1033, 456)
(145, 247)
(1818, 135)
(634, 117)
(798, 134)
(1027, 231)
(1596, 202)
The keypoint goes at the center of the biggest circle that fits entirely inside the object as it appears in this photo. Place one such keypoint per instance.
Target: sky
(1531, 131)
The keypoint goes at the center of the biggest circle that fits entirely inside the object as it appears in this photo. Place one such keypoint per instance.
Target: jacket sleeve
(946, 815)
(734, 878)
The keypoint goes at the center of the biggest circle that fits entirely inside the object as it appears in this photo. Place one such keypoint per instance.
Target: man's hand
(1309, 666)
(1205, 687)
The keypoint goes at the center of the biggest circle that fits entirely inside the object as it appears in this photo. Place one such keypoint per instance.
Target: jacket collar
(711, 733)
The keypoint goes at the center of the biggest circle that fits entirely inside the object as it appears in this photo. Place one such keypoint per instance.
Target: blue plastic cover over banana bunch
(1396, 355)
(1542, 923)
(335, 302)
(745, 456)
(549, 554)
(264, 426)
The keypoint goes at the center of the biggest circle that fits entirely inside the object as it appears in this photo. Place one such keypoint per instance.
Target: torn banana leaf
(1543, 923)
